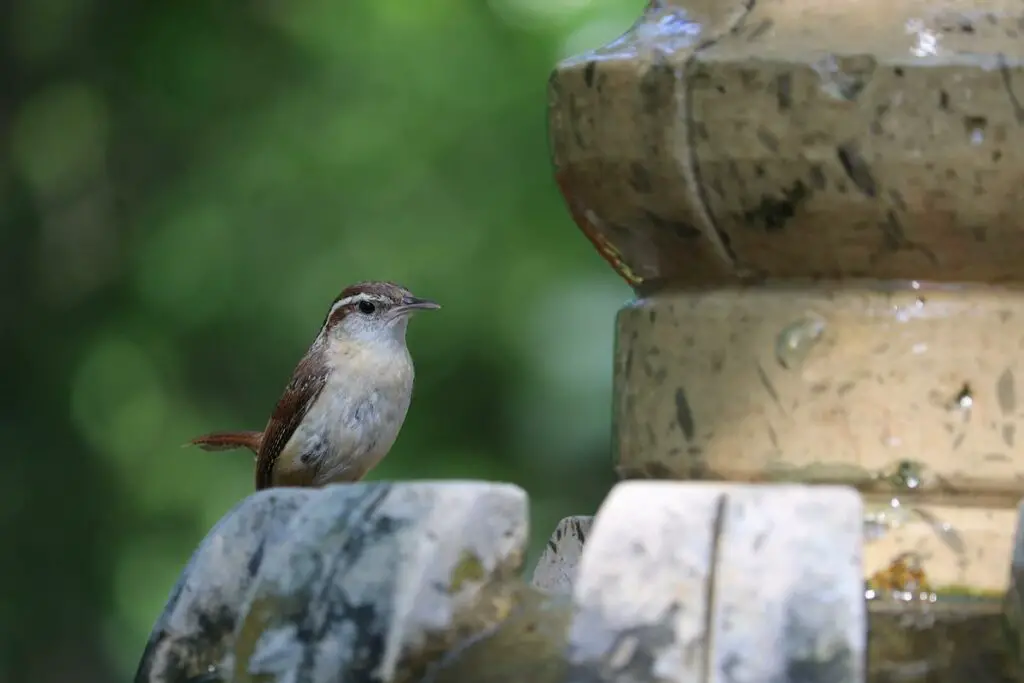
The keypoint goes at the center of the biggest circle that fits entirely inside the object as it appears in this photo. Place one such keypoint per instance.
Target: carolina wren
(347, 399)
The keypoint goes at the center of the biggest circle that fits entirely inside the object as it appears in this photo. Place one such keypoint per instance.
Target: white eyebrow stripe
(356, 298)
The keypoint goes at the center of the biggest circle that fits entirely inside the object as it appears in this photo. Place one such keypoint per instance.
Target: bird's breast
(355, 420)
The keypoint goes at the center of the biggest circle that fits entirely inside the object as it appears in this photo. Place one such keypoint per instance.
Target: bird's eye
(366, 308)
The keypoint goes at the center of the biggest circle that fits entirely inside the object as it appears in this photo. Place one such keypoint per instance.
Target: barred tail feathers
(228, 441)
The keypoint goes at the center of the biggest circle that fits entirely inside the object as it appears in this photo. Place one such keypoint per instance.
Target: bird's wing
(307, 382)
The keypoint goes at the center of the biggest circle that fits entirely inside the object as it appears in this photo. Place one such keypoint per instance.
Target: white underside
(356, 419)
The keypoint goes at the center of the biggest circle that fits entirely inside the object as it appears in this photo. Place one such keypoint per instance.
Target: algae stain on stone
(260, 616)
(469, 568)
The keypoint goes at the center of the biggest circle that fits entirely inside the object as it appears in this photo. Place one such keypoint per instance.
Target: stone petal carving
(706, 583)
(556, 568)
(340, 583)
(196, 628)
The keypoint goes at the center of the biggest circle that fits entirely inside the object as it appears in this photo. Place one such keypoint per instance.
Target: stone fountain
(817, 206)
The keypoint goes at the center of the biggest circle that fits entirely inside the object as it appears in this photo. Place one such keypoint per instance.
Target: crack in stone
(691, 167)
(707, 659)
(1004, 73)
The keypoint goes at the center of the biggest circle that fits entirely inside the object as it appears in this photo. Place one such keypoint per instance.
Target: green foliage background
(184, 187)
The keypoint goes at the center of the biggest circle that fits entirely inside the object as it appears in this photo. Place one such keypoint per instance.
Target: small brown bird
(347, 399)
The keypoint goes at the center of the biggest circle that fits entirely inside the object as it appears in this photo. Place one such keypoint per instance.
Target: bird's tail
(227, 441)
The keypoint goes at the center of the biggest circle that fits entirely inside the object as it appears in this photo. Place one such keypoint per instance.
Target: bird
(348, 396)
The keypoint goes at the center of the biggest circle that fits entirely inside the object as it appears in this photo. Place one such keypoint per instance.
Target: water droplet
(843, 77)
(975, 128)
(796, 340)
(908, 475)
(879, 519)
(945, 531)
(925, 41)
(964, 400)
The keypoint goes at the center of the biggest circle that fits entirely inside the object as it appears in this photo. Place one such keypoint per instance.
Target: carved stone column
(819, 205)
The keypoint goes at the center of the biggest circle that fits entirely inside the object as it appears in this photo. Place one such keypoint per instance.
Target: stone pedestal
(819, 208)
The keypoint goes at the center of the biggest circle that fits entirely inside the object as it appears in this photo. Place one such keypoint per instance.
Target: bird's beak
(412, 303)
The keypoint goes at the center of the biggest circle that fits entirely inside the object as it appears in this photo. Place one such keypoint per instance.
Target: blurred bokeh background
(184, 187)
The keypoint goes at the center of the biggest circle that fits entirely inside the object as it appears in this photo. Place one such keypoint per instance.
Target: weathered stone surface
(527, 646)
(556, 568)
(709, 583)
(196, 628)
(748, 384)
(360, 580)
(948, 641)
(732, 140)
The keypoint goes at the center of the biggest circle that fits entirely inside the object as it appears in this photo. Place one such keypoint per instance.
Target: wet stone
(796, 341)
(527, 646)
